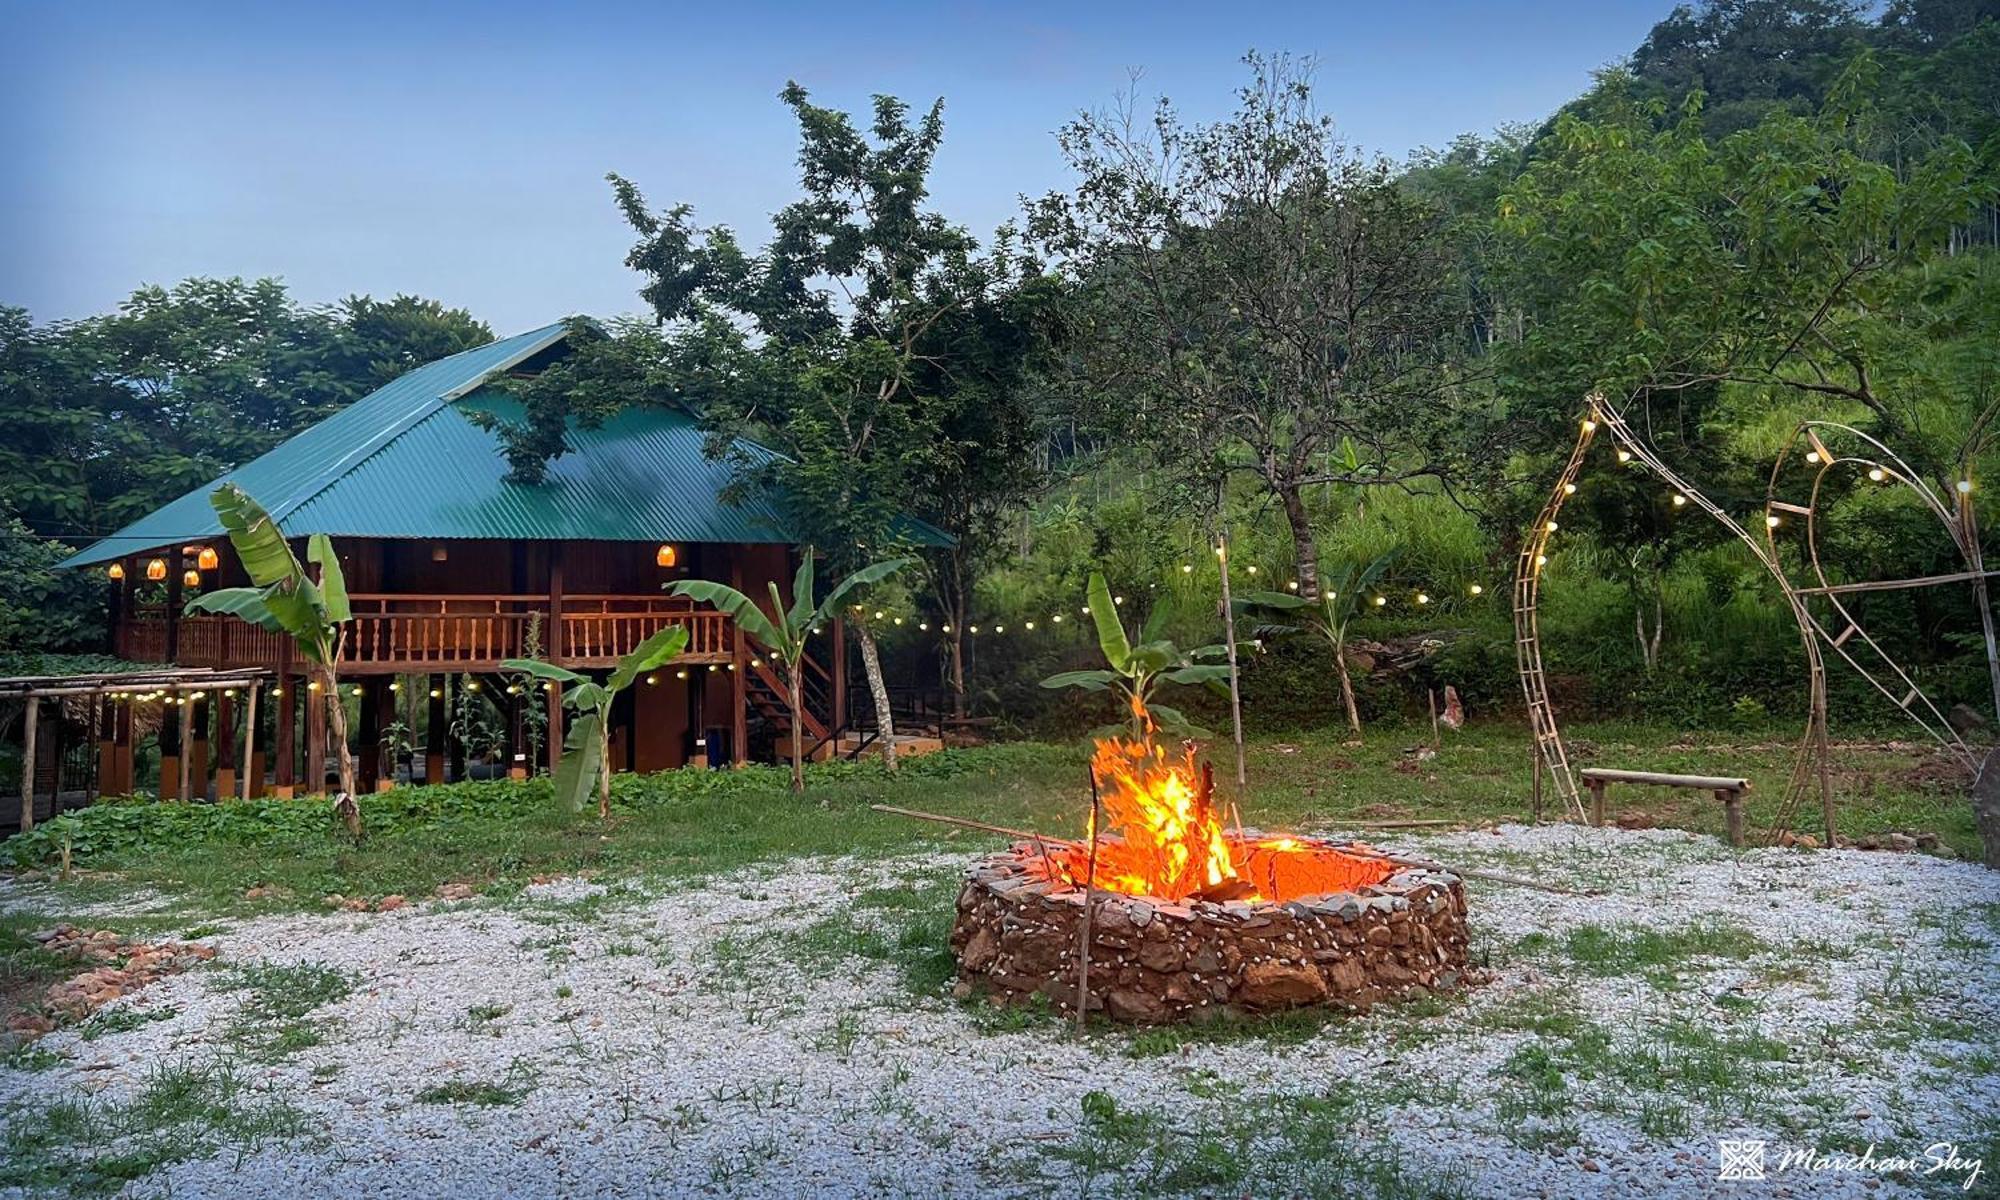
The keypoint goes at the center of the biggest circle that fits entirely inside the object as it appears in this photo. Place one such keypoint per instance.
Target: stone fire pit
(1328, 926)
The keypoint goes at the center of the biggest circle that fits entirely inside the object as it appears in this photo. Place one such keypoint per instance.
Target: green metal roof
(407, 461)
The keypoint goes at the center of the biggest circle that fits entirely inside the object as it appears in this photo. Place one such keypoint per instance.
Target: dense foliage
(1774, 210)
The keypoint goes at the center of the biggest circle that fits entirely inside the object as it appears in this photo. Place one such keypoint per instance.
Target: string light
(1380, 601)
(1057, 618)
(1680, 501)
(313, 686)
(924, 625)
(651, 680)
(1030, 627)
(1553, 526)
(1541, 560)
(396, 685)
(681, 674)
(1293, 586)
(1423, 598)
(1187, 568)
(1476, 589)
(1771, 522)
(1812, 456)
(436, 693)
(1569, 489)
(1964, 487)
(1875, 474)
(999, 629)
(1624, 456)
(1252, 568)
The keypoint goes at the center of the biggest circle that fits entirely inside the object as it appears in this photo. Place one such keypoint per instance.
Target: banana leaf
(582, 760)
(541, 670)
(741, 609)
(655, 651)
(872, 573)
(1110, 633)
(1095, 681)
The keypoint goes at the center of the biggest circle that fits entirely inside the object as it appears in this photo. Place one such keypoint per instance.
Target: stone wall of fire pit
(1017, 929)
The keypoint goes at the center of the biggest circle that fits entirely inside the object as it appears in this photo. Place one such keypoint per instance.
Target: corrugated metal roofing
(407, 461)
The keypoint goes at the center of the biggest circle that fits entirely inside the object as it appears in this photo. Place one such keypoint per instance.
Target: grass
(684, 826)
(277, 1019)
(85, 1145)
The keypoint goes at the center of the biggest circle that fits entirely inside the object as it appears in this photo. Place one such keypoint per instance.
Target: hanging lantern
(156, 570)
(208, 559)
(191, 579)
(666, 555)
(115, 572)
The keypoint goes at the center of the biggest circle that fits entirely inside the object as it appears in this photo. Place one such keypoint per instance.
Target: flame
(1169, 839)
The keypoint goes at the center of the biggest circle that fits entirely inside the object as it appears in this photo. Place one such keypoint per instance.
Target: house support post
(224, 737)
(434, 728)
(253, 765)
(315, 718)
(286, 747)
(370, 765)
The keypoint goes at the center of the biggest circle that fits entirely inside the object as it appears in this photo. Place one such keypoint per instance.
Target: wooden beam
(285, 748)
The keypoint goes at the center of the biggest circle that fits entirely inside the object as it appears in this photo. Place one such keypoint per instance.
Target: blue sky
(458, 150)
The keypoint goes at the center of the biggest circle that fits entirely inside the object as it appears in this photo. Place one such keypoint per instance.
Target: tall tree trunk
(1346, 687)
(604, 764)
(1304, 547)
(955, 610)
(798, 727)
(878, 691)
(348, 805)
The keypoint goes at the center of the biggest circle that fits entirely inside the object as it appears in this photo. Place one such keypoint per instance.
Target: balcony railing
(411, 633)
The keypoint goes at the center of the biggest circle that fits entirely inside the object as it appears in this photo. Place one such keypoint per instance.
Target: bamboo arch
(1810, 765)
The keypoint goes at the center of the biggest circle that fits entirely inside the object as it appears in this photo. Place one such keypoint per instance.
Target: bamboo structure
(1810, 767)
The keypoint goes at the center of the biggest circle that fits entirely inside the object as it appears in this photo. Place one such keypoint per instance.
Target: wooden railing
(410, 633)
(598, 629)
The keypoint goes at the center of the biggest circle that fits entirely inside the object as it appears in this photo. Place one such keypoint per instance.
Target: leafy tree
(869, 341)
(1660, 266)
(784, 632)
(1258, 298)
(1327, 615)
(104, 420)
(1136, 671)
(586, 757)
(284, 597)
(44, 610)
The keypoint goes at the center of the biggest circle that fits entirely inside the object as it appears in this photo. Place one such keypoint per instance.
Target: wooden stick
(1089, 903)
(1026, 835)
(1425, 823)
(1437, 741)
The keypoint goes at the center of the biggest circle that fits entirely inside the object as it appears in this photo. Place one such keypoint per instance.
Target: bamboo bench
(1727, 788)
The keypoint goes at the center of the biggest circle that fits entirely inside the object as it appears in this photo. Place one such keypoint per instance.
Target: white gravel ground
(662, 1041)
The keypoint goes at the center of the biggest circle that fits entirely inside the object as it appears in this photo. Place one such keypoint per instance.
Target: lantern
(439, 553)
(208, 559)
(115, 572)
(156, 570)
(191, 579)
(666, 555)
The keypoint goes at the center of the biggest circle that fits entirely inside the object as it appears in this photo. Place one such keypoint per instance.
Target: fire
(1169, 837)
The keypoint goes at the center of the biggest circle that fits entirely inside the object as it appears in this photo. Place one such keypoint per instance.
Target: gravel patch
(761, 1036)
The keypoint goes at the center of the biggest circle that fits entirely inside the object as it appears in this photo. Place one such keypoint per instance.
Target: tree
(1669, 271)
(586, 757)
(870, 341)
(784, 632)
(285, 598)
(1258, 298)
(1327, 615)
(44, 610)
(106, 419)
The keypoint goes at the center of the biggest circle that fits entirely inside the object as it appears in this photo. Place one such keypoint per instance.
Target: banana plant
(285, 598)
(1137, 670)
(1341, 597)
(784, 632)
(586, 756)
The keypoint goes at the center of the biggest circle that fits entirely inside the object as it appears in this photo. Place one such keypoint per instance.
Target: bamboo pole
(1089, 903)
(187, 746)
(249, 738)
(29, 721)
